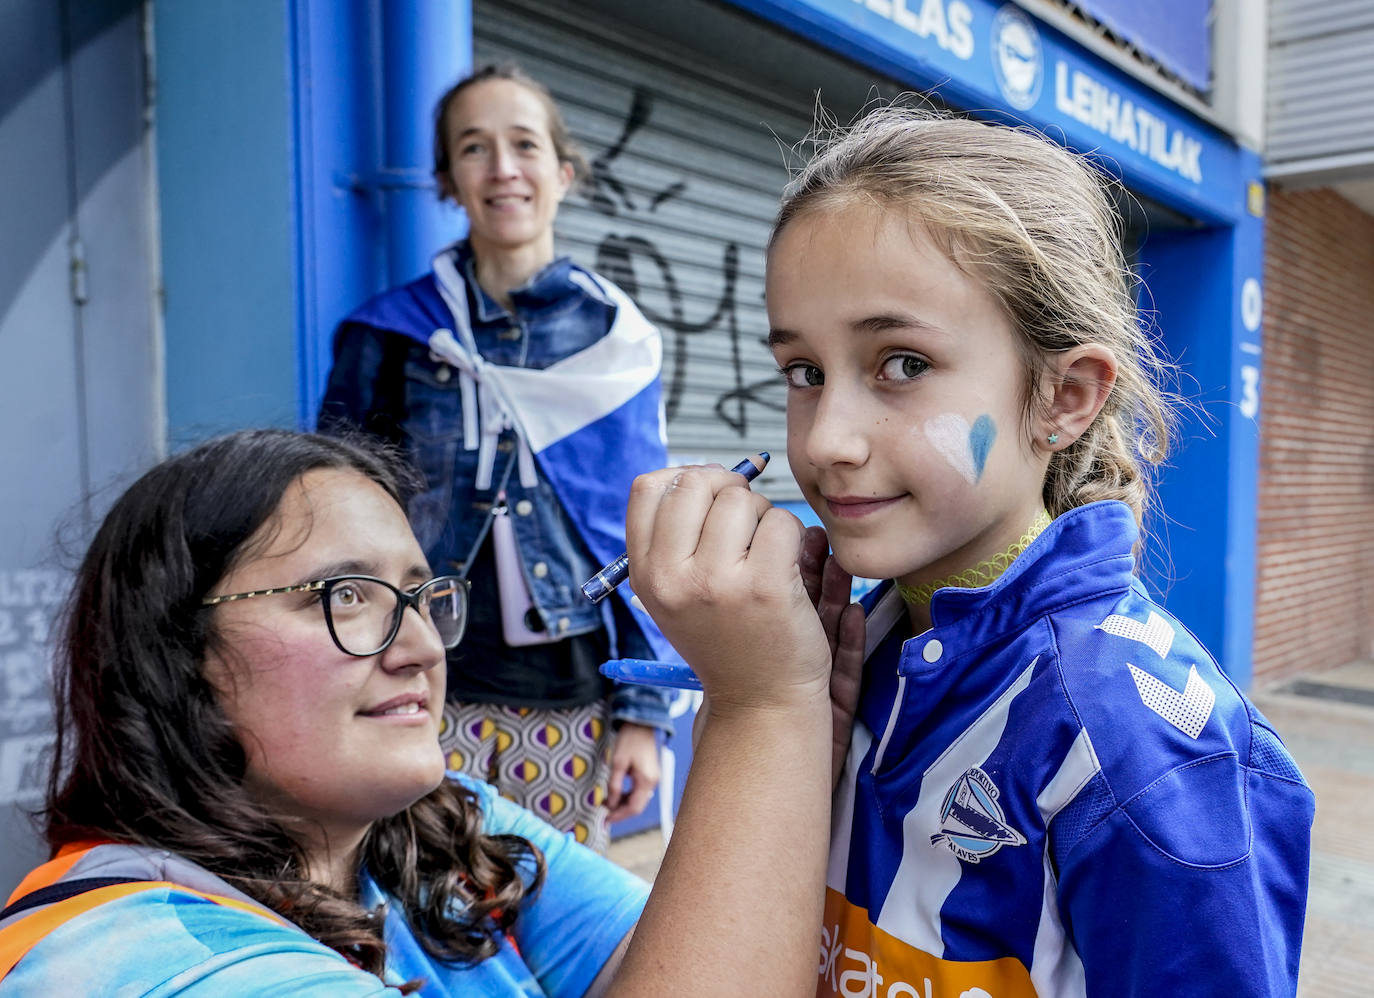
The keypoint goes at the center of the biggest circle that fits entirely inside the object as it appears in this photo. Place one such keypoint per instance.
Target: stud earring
(1052, 439)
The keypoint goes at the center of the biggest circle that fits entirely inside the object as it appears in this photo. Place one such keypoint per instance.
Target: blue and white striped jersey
(1055, 791)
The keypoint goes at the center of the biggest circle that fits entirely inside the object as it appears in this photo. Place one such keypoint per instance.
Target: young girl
(1051, 788)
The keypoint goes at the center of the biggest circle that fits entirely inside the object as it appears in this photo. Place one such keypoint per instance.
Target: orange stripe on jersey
(860, 960)
(24, 934)
(53, 870)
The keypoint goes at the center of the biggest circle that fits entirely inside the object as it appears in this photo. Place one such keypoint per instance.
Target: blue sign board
(996, 60)
(1175, 33)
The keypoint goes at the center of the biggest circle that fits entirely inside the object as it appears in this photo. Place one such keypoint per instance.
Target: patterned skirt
(553, 762)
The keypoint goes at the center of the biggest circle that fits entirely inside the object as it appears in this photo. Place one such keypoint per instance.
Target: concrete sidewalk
(1327, 721)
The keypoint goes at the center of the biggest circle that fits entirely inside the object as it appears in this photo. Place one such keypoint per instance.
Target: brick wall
(1314, 608)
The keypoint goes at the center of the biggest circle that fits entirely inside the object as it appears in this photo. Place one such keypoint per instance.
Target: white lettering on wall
(1105, 111)
(949, 25)
(29, 601)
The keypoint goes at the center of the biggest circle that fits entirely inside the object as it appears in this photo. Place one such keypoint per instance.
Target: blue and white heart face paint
(965, 447)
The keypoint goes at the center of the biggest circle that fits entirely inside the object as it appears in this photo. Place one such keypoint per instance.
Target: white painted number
(1249, 391)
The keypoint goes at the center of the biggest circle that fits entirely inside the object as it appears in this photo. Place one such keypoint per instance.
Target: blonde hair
(1033, 222)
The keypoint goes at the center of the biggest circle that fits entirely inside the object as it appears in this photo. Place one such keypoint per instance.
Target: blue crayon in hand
(604, 582)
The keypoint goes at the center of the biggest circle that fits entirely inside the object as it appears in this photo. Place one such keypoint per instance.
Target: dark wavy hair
(564, 147)
(145, 754)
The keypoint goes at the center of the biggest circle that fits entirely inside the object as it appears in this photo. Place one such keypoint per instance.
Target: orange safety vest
(21, 935)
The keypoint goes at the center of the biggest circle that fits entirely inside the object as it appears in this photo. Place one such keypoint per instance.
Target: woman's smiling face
(505, 171)
(329, 737)
(906, 417)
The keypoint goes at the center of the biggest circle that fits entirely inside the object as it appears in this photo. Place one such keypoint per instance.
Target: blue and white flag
(592, 421)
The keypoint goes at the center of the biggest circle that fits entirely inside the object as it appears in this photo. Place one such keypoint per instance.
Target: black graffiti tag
(618, 254)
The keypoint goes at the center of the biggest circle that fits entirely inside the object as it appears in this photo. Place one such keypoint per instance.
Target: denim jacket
(392, 385)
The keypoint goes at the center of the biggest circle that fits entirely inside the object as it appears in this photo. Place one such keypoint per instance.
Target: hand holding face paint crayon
(717, 567)
(613, 575)
(606, 581)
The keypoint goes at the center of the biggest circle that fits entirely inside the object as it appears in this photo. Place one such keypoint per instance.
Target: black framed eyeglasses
(363, 613)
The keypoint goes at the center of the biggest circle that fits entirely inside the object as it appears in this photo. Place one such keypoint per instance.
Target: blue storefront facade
(209, 187)
(323, 196)
(364, 212)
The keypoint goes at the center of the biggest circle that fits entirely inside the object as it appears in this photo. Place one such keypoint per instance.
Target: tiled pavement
(1327, 721)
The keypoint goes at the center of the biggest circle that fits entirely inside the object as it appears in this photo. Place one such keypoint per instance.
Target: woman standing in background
(456, 368)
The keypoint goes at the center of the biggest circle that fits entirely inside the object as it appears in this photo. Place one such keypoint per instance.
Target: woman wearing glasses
(248, 794)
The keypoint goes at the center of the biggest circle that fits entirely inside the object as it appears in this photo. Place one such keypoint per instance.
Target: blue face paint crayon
(604, 582)
(647, 673)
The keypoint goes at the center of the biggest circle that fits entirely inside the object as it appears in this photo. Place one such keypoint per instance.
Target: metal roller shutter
(688, 165)
(1321, 81)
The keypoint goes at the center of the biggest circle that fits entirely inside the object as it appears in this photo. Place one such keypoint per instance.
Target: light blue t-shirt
(158, 943)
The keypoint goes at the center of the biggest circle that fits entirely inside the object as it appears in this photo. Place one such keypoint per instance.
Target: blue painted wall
(293, 159)
(340, 252)
(79, 391)
(1207, 290)
(366, 77)
(224, 162)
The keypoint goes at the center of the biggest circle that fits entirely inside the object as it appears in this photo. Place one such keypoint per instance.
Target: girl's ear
(1080, 380)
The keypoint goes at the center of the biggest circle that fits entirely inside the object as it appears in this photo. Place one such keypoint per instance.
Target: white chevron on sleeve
(1188, 711)
(1156, 632)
